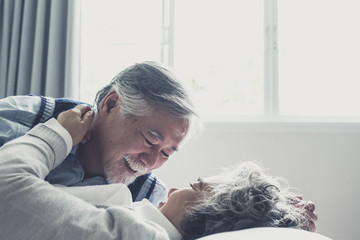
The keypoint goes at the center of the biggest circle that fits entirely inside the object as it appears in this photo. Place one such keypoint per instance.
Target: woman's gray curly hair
(246, 197)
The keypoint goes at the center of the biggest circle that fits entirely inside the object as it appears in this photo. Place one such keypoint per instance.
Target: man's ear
(110, 101)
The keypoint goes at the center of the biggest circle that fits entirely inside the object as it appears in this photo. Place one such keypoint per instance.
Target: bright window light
(243, 59)
(114, 35)
(319, 57)
(219, 50)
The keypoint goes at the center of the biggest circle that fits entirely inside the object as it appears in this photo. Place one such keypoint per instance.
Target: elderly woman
(244, 197)
(240, 198)
(31, 208)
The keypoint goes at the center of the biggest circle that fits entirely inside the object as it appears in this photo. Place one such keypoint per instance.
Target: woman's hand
(77, 122)
(309, 206)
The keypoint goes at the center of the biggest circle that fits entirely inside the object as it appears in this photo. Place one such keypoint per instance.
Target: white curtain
(39, 47)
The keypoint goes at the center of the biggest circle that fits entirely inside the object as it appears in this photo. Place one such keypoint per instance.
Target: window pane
(120, 13)
(319, 57)
(219, 50)
(114, 35)
(100, 63)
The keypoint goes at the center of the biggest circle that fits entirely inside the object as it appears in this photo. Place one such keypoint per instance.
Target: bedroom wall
(323, 162)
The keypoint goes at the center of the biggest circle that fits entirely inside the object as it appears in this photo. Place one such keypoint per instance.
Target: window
(252, 59)
(219, 49)
(115, 34)
(319, 57)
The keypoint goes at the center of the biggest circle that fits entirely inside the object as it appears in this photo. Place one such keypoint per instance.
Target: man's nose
(172, 190)
(150, 158)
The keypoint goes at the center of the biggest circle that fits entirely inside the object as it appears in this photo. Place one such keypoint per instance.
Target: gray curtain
(39, 47)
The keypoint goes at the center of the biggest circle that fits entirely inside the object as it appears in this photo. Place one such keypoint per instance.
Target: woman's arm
(31, 208)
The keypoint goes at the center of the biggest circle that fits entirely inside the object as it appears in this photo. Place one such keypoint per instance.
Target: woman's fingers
(77, 122)
(82, 108)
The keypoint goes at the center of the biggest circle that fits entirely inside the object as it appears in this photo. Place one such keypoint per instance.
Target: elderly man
(140, 119)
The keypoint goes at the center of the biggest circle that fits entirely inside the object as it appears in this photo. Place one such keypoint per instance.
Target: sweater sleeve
(31, 208)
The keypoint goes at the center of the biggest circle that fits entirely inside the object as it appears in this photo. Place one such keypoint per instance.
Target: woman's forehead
(212, 179)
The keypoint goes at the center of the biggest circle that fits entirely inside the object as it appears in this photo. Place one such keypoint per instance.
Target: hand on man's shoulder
(77, 122)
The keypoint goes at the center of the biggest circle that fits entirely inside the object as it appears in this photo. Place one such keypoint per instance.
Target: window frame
(271, 84)
(270, 120)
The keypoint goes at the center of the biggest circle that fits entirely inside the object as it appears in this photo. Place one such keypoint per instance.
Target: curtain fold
(39, 47)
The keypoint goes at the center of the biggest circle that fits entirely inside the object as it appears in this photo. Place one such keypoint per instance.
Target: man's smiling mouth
(134, 166)
(128, 165)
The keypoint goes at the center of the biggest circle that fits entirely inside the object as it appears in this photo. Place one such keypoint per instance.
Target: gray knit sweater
(31, 208)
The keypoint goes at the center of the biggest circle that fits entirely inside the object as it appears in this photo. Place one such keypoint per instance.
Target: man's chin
(118, 173)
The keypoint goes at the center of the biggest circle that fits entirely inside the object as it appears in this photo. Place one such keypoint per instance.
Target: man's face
(135, 145)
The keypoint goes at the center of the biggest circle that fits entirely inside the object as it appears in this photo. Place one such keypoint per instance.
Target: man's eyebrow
(156, 134)
(159, 136)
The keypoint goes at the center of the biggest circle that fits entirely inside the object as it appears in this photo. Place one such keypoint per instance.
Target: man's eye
(148, 142)
(165, 154)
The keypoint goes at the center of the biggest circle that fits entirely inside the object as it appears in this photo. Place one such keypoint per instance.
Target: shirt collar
(149, 212)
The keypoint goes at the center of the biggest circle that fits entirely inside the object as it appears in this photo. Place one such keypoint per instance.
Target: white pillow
(268, 234)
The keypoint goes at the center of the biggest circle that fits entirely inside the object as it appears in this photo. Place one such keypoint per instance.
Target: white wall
(321, 160)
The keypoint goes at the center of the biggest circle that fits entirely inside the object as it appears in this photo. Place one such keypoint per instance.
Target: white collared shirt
(119, 194)
(149, 212)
